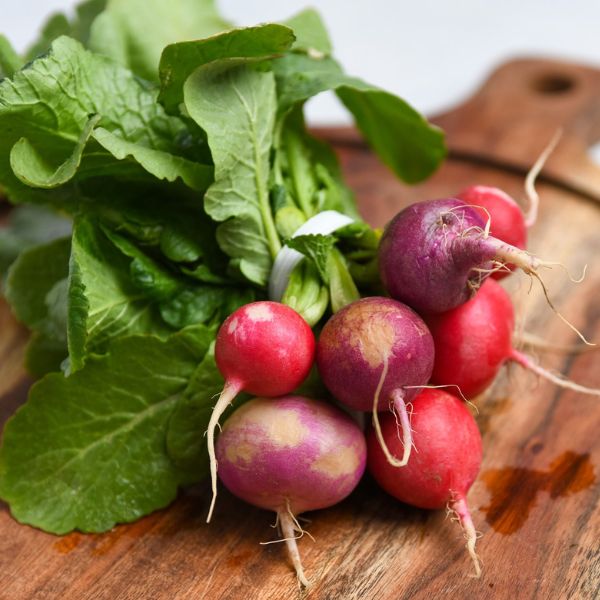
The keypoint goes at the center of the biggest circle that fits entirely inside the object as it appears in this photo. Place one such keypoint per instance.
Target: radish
(435, 254)
(446, 461)
(474, 340)
(290, 455)
(263, 348)
(507, 221)
(373, 355)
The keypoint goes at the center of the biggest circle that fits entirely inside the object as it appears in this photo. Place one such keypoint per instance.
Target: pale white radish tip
(324, 222)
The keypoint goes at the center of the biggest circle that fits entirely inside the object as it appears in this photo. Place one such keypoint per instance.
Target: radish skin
(263, 348)
(473, 341)
(290, 455)
(372, 356)
(446, 461)
(435, 254)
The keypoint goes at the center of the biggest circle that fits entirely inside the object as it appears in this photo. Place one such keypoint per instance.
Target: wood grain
(537, 501)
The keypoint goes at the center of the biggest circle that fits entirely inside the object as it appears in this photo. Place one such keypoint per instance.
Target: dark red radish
(263, 348)
(507, 221)
(374, 355)
(444, 465)
(435, 254)
(473, 341)
(290, 455)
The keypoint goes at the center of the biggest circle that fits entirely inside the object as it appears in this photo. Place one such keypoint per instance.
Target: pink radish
(435, 254)
(373, 355)
(473, 341)
(290, 455)
(446, 461)
(263, 348)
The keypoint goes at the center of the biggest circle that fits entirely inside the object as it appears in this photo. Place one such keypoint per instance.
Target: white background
(433, 53)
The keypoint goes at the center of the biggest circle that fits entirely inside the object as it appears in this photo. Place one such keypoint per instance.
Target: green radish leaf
(33, 170)
(310, 170)
(44, 354)
(59, 24)
(402, 137)
(9, 59)
(186, 442)
(317, 247)
(134, 32)
(236, 106)
(310, 31)
(36, 288)
(32, 278)
(104, 301)
(88, 451)
(146, 274)
(28, 226)
(179, 61)
(49, 102)
(159, 163)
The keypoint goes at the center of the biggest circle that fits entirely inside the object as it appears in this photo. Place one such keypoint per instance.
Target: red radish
(446, 461)
(507, 221)
(474, 340)
(372, 356)
(435, 254)
(263, 348)
(290, 455)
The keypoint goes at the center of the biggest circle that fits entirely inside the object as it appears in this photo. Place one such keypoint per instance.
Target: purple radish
(263, 348)
(374, 355)
(435, 254)
(290, 455)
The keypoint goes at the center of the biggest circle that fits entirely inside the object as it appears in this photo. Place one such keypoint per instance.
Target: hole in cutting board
(553, 84)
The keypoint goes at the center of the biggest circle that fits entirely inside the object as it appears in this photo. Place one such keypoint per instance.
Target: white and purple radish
(446, 461)
(374, 355)
(435, 254)
(265, 349)
(290, 455)
(474, 340)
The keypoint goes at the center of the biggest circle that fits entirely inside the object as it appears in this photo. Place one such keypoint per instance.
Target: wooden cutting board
(536, 502)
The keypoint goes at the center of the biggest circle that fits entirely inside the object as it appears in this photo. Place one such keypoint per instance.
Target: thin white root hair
(530, 191)
(460, 509)
(526, 362)
(406, 434)
(557, 312)
(526, 338)
(230, 391)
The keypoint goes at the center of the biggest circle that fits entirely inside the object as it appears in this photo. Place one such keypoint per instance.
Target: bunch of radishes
(291, 454)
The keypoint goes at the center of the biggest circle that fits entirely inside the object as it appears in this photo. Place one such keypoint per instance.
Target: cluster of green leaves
(160, 160)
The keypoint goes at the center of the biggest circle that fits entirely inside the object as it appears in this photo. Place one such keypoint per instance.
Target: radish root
(399, 409)
(290, 527)
(526, 362)
(230, 391)
(530, 191)
(526, 338)
(461, 510)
